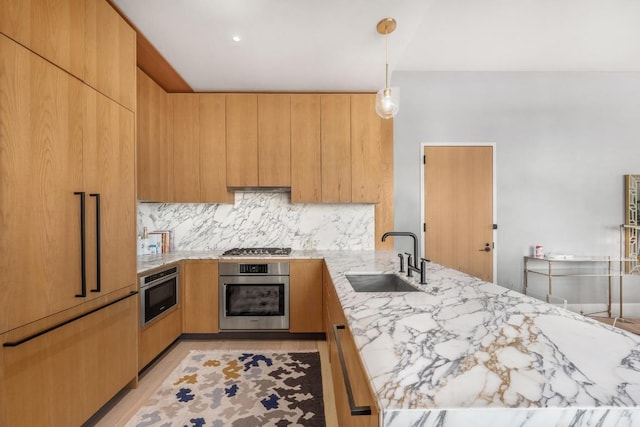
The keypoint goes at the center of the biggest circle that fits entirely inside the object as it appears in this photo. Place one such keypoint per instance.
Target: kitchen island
(467, 352)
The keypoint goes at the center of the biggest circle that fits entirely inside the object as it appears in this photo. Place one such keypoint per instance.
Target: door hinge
(493, 245)
(424, 159)
(495, 226)
(424, 226)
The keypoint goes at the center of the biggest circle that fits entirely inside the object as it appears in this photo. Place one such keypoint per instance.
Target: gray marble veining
(262, 219)
(463, 352)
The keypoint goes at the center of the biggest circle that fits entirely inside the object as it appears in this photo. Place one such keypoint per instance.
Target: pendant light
(387, 100)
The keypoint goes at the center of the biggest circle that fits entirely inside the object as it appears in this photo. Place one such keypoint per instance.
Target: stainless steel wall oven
(253, 296)
(158, 293)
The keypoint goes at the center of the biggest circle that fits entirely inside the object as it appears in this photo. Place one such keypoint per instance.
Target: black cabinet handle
(355, 410)
(98, 244)
(83, 243)
(66, 322)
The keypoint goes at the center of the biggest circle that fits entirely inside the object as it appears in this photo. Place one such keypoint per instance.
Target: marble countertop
(467, 352)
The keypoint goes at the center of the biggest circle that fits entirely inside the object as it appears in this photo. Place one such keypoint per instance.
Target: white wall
(563, 142)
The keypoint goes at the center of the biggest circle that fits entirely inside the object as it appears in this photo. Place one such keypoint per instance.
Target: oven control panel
(254, 268)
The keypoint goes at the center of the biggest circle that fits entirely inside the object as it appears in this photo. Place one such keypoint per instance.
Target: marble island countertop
(466, 352)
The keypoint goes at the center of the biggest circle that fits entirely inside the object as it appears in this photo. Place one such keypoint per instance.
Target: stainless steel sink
(378, 282)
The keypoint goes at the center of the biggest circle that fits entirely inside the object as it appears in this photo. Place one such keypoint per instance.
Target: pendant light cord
(386, 60)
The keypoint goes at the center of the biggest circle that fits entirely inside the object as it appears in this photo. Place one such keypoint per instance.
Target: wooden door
(274, 140)
(242, 140)
(154, 147)
(186, 147)
(200, 296)
(41, 115)
(459, 208)
(306, 153)
(336, 148)
(109, 158)
(213, 169)
(305, 293)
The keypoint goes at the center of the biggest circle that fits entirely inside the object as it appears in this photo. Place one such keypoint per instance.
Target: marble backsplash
(262, 219)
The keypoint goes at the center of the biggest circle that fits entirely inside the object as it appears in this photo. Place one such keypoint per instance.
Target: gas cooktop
(257, 252)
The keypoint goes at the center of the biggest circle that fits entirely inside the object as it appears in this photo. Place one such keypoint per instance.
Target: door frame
(423, 145)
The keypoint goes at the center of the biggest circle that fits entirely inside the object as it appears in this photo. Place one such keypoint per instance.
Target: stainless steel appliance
(253, 296)
(257, 252)
(158, 293)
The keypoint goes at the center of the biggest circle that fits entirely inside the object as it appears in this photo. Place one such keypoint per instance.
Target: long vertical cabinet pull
(355, 410)
(83, 243)
(98, 257)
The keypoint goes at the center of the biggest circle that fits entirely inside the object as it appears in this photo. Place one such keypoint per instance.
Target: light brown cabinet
(54, 29)
(306, 152)
(258, 140)
(200, 296)
(86, 38)
(274, 140)
(305, 296)
(344, 357)
(110, 53)
(154, 144)
(335, 136)
(64, 143)
(242, 140)
(64, 376)
(198, 126)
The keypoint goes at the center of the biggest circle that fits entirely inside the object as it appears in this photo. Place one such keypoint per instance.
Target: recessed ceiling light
(235, 38)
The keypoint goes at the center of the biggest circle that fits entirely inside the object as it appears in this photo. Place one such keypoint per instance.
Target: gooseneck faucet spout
(415, 257)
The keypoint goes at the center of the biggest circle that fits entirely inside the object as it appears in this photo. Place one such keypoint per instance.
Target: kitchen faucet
(412, 260)
(415, 244)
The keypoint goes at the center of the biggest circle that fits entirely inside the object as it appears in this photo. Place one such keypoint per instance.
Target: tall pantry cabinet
(68, 309)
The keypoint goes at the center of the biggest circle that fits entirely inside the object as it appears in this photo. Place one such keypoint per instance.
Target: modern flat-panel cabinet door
(336, 148)
(367, 150)
(154, 145)
(61, 378)
(186, 147)
(213, 168)
(200, 296)
(274, 140)
(305, 293)
(110, 53)
(41, 117)
(54, 29)
(109, 156)
(306, 153)
(242, 140)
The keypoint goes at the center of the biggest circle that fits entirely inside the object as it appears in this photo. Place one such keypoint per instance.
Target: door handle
(487, 248)
(83, 243)
(98, 244)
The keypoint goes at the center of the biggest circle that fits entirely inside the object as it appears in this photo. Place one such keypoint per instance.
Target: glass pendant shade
(388, 102)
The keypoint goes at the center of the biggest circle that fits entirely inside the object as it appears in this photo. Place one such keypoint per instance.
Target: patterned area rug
(238, 389)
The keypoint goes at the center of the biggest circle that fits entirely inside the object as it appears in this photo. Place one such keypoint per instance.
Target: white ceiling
(332, 45)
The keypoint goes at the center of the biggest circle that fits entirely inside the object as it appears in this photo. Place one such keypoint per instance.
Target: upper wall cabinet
(306, 152)
(54, 29)
(242, 140)
(154, 146)
(86, 38)
(335, 133)
(198, 123)
(110, 53)
(258, 140)
(371, 150)
(274, 140)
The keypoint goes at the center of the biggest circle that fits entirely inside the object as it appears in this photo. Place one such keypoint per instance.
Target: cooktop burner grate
(257, 252)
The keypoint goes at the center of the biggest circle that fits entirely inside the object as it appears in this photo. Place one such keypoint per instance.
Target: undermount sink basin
(381, 282)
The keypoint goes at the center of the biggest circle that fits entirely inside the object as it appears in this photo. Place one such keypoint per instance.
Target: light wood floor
(127, 402)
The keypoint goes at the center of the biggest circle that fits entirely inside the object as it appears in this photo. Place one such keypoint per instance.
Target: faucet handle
(409, 258)
(423, 271)
(401, 263)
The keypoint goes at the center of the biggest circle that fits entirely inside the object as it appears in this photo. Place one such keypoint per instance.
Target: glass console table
(572, 267)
